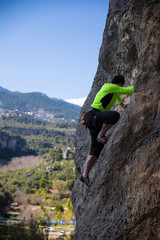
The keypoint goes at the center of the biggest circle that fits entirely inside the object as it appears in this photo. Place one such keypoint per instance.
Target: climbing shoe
(102, 139)
(84, 179)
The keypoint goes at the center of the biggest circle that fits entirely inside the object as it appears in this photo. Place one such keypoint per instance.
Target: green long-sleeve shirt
(108, 94)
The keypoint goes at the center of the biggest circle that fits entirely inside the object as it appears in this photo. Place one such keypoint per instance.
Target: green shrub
(59, 208)
(70, 183)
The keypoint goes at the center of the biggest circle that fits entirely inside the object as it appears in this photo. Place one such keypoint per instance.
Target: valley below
(20, 162)
(37, 173)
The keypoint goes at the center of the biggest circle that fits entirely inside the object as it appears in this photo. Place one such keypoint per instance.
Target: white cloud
(77, 101)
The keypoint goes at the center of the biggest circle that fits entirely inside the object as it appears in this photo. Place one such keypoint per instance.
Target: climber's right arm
(113, 88)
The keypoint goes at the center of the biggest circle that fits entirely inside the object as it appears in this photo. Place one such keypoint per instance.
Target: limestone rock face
(123, 199)
(11, 143)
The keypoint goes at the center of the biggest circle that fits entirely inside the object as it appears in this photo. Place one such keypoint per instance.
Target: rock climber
(100, 119)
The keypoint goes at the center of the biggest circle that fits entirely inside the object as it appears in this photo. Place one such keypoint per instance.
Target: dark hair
(118, 79)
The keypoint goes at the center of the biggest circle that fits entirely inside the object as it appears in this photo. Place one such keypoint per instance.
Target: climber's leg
(104, 129)
(101, 136)
(106, 119)
(95, 151)
(89, 164)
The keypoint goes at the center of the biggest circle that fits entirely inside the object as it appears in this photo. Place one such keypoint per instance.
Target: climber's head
(119, 80)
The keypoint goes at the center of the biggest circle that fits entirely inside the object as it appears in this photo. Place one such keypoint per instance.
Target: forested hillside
(45, 187)
(38, 104)
(37, 136)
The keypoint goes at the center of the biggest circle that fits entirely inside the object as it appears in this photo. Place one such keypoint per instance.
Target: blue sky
(51, 46)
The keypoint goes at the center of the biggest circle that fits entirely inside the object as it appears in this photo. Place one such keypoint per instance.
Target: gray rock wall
(11, 143)
(123, 200)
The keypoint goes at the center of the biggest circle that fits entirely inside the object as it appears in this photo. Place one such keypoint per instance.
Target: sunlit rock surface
(123, 200)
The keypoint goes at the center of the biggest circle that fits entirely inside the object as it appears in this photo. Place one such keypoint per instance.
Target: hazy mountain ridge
(4, 90)
(38, 104)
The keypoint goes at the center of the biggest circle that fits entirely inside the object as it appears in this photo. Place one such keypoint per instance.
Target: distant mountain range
(38, 104)
(4, 90)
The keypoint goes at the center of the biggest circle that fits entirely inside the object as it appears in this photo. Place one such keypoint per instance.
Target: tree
(68, 214)
(70, 237)
(43, 183)
(58, 216)
(59, 185)
(69, 205)
(5, 197)
(21, 231)
(56, 154)
(70, 183)
(2, 199)
(59, 208)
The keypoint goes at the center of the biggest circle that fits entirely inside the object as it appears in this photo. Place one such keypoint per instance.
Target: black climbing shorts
(107, 117)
